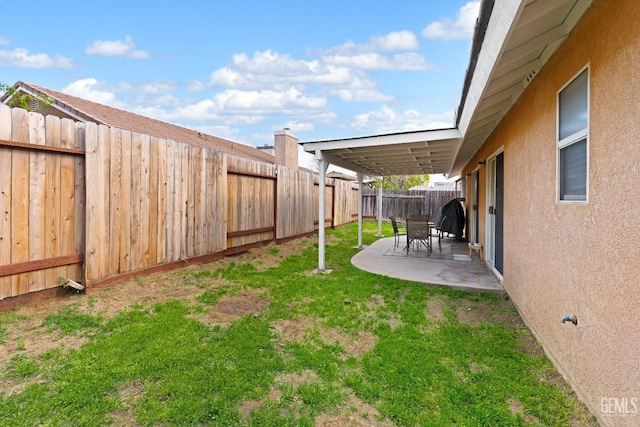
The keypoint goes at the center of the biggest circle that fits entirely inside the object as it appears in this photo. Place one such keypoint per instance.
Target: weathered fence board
(161, 230)
(218, 202)
(145, 206)
(403, 204)
(295, 203)
(53, 199)
(76, 272)
(154, 211)
(20, 200)
(116, 206)
(5, 199)
(328, 203)
(67, 200)
(346, 202)
(124, 200)
(37, 201)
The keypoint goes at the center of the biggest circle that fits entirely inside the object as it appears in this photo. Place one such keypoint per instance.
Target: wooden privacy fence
(404, 203)
(94, 204)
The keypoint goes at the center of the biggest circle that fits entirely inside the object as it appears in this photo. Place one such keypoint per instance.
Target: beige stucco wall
(581, 259)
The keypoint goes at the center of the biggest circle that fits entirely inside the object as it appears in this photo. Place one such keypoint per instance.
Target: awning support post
(323, 165)
(379, 207)
(360, 180)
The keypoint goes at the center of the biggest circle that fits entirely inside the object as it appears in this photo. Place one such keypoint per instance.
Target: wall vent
(529, 77)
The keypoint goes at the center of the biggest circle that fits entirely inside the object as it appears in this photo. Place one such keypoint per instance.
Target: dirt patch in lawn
(11, 386)
(483, 311)
(128, 396)
(355, 413)
(33, 342)
(434, 311)
(376, 310)
(517, 408)
(303, 329)
(229, 308)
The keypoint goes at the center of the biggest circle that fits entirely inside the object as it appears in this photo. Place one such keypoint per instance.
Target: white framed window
(573, 139)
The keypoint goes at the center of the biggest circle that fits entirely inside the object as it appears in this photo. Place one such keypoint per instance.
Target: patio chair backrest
(394, 224)
(417, 229)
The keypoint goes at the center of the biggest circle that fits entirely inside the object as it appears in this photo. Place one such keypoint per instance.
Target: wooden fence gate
(42, 198)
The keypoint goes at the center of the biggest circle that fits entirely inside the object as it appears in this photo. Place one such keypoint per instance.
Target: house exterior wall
(579, 258)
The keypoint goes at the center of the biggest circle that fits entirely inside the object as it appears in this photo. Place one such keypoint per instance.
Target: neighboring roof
(84, 110)
(512, 42)
(342, 176)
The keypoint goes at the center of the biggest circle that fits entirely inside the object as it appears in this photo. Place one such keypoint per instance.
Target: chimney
(286, 148)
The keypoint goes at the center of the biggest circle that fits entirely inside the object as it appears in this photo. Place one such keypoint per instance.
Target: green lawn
(284, 345)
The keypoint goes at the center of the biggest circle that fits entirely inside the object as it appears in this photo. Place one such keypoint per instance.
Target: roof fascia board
(381, 140)
(502, 23)
(336, 161)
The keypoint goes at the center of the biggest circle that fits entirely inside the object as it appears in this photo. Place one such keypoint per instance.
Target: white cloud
(195, 86)
(151, 88)
(236, 107)
(297, 127)
(281, 102)
(386, 120)
(461, 28)
(22, 59)
(269, 72)
(245, 119)
(202, 110)
(4, 41)
(361, 95)
(340, 70)
(399, 40)
(375, 61)
(89, 89)
(274, 70)
(221, 131)
(122, 48)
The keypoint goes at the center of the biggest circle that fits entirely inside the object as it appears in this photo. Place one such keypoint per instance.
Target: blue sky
(243, 69)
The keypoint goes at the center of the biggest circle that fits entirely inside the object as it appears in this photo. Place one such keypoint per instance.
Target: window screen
(573, 171)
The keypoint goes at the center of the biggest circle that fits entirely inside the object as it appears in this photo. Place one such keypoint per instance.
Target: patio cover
(407, 153)
(512, 42)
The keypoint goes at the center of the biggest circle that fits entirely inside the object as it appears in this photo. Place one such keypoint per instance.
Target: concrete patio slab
(447, 264)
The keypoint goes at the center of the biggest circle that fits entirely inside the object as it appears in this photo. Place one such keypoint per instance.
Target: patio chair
(396, 232)
(438, 227)
(418, 234)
